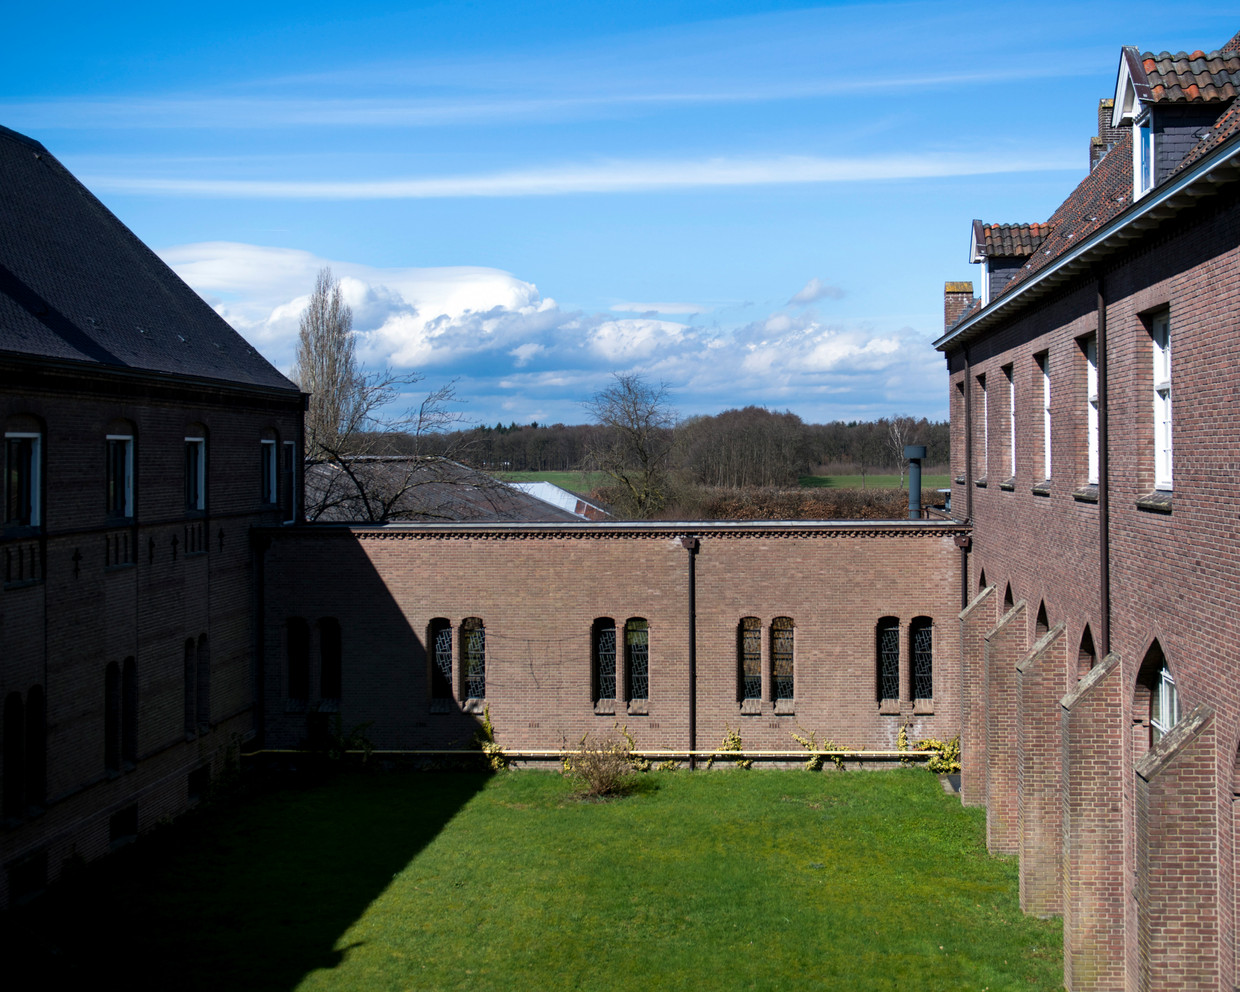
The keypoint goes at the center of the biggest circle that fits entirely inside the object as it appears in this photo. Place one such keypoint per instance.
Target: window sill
(1008, 485)
(959, 480)
(889, 707)
(923, 707)
(785, 707)
(1043, 488)
(980, 483)
(604, 707)
(441, 706)
(1086, 494)
(474, 705)
(751, 707)
(1159, 501)
(22, 584)
(639, 707)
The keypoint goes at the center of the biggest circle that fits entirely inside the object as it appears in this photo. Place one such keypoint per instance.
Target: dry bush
(602, 763)
(797, 504)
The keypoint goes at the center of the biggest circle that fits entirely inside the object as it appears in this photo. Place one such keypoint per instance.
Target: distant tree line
(736, 448)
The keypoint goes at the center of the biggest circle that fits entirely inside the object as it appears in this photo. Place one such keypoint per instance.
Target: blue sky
(753, 202)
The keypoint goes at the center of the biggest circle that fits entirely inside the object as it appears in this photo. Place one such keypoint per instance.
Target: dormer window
(1143, 155)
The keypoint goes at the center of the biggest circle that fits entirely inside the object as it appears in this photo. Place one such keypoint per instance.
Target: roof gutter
(1147, 212)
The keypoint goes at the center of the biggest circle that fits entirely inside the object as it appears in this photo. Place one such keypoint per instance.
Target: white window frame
(36, 473)
(1165, 706)
(981, 384)
(1091, 403)
(128, 481)
(269, 472)
(200, 467)
(1160, 332)
(1010, 372)
(1044, 364)
(1142, 155)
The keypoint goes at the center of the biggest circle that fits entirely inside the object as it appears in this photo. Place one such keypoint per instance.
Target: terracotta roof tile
(1014, 240)
(1195, 78)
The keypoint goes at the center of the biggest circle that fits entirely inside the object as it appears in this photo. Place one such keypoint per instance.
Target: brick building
(144, 439)
(1100, 700)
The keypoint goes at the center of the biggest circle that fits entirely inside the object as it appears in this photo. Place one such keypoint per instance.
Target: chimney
(957, 298)
(1107, 135)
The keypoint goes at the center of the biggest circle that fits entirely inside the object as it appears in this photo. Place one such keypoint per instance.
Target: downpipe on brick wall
(1104, 486)
(691, 544)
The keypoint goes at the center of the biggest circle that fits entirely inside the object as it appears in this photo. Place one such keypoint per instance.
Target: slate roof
(1013, 240)
(1192, 78)
(77, 285)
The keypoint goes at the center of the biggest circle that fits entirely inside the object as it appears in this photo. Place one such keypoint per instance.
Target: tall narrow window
(1091, 401)
(985, 445)
(331, 668)
(1165, 705)
(749, 648)
(191, 686)
(120, 475)
(781, 658)
(440, 639)
(637, 658)
(112, 717)
(887, 649)
(1086, 656)
(1044, 369)
(129, 713)
(267, 471)
(288, 481)
(1011, 418)
(604, 647)
(474, 658)
(1143, 155)
(22, 479)
(921, 657)
(298, 646)
(203, 703)
(14, 797)
(195, 473)
(1161, 332)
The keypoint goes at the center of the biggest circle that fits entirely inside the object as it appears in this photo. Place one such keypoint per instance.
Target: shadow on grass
(253, 895)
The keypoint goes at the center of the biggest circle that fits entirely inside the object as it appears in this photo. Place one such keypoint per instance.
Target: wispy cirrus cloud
(614, 176)
(815, 289)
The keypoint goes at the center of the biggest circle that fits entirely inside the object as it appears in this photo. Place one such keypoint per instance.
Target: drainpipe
(914, 453)
(1104, 487)
(691, 544)
(968, 436)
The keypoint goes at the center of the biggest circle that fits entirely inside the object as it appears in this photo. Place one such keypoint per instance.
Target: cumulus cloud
(815, 290)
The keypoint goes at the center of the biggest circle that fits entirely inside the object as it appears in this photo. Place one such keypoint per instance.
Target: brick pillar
(1039, 779)
(1093, 748)
(957, 298)
(1177, 880)
(976, 620)
(1005, 647)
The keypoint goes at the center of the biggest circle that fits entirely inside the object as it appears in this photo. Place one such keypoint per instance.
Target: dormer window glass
(1143, 156)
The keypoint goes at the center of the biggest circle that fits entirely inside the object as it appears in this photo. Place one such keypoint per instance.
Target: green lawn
(871, 481)
(711, 880)
(577, 482)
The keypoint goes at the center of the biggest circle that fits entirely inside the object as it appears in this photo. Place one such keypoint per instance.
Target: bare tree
(635, 441)
(901, 431)
(361, 461)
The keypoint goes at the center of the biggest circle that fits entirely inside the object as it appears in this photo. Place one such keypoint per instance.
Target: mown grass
(577, 482)
(870, 481)
(719, 880)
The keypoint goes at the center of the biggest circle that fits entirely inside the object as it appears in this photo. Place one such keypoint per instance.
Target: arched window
(129, 713)
(603, 647)
(112, 717)
(749, 658)
(331, 673)
(473, 658)
(921, 658)
(298, 646)
(781, 658)
(1086, 656)
(439, 637)
(1008, 601)
(1041, 625)
(14, 797)
(637, 658)
(191, 686)
(981, 580)
(1156, 694)
(887, 658)
(203, 709)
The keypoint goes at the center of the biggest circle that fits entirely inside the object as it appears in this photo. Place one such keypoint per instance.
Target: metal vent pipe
(914, 453)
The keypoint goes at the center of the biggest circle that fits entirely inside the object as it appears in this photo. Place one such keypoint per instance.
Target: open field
(577, 482)
(709, 880)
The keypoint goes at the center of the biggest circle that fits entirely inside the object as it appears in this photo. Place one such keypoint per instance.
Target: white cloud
(814, 290)
(631, 176)
(667, 308)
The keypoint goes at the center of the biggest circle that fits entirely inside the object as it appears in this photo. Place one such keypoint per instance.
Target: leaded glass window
(441, 659)
(921, 642)
(751, 658)
(888, 648)
(781, 657)
(637, 654)
(474, 658)
(605, 659)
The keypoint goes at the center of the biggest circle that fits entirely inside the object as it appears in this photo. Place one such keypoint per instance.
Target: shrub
(484, 740)
(601, 764)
